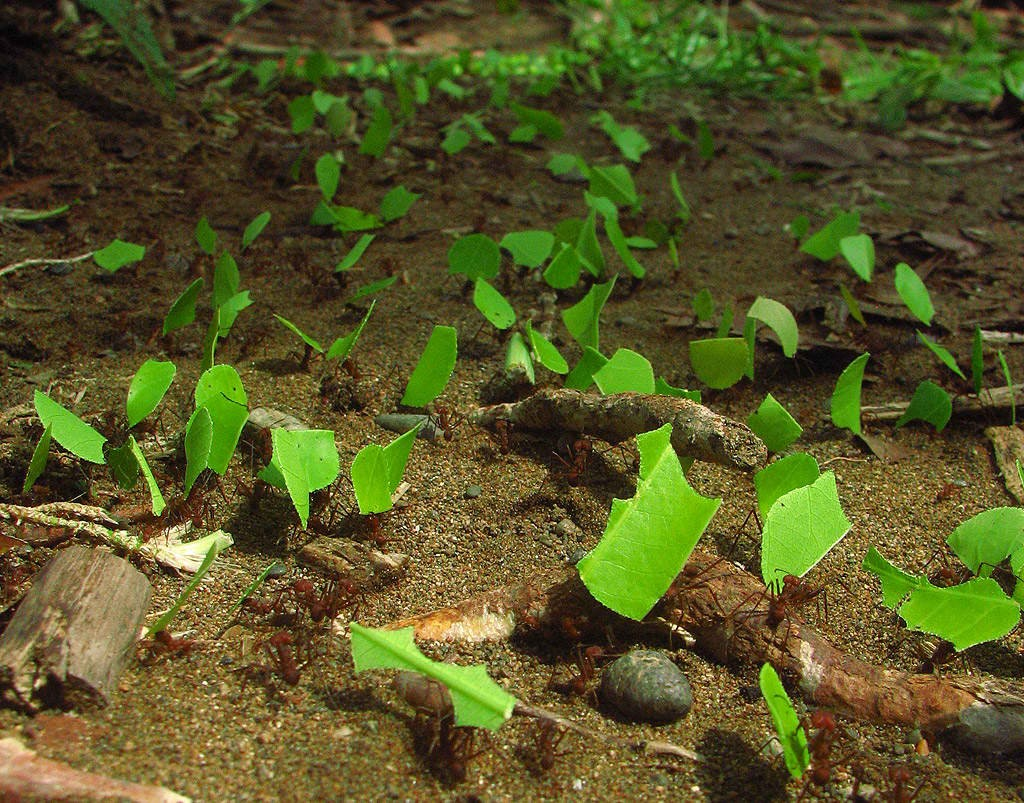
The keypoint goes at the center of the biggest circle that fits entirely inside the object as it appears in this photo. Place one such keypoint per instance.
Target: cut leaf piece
(147, 389)
(845, 407)
(824, 243)
(118, 254)
(254, 229)
(352, 257)
(474, 256)
(773, 424)
(517, 359)
(582, 318)
(308, 461)
(779, 319)
(719, 362)
(859, 251)
(986, 540)
(309, 341)
(663, 388)
(69, 430)
(977, 360)
(787, 724)
(547, 354)
(778, 479)
(38, 462)
(564, 270)
(183, 310)
(581, 376)
(529, 248)
(852, 305)
(156, 498)
(626, 372)
(493, 305)
(206, 237)
(478, 701)
(896, 583)
(543, 121)
(800, 528)
(930, 403)
(943, 354)
(342, 347)
(220, 391)
(615, 183)
(198, 440)
(914, 293)
(377, 472)
(434, 368)
(967, 614)
(665, 517)
(397, 203)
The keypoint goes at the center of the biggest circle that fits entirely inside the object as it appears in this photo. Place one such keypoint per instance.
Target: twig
(990, 399)
(697, 431)
(26, 263)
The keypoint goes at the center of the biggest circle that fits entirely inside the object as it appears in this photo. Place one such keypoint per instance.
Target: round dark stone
(647, 687)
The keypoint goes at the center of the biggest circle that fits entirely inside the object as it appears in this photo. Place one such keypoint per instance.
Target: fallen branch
(27, 263)
(1001, 398)
(696, 431)
(713, 600)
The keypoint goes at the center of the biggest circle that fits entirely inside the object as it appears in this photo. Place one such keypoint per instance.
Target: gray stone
(647, 686)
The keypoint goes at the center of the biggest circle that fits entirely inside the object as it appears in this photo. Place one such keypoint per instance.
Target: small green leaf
(798, 227)
(582, 318)
(328, 173)
(493, 305)
(800, 528)
(302, 112)
(397, 203)
(255, 228)
(581, 376)
(543, 121)
(478, 701)
(618, 241)
(787, 724)
(308, 461)
(561, 164)
(147, 389)
(434, 368)
(914, 293)
(859, 251)
(773, 424)
(206, 237)
(564, 270)
(377, 471)
(627, 371)
(228, 312)
(218, 541)
(456, 139)
(704, 305)
(341, 347)
(220, 391)
(118, 254)
(967, 614)
(378, 134)
(930, 403)
(896, 583)
(124, 468)
(784, 475)
(38, 463)
(546, 353)
(845, 406)
(665, 517)
(719, 362)
(942, 353)
(352, 257)
(226, 279)
(69, 430)
(529, 248)
(517, 359)
(475, 256)
(198, 441)
(824, 243)
(705, 141)
(989, 538)
(588, 247)
(779, 319)
(627, 139)
(663, 388)
(614, 182)
(156, 498)
(183, 310)
(684, 213)
(372, 288)
(977, 360)
(309, 341)
(852, 305)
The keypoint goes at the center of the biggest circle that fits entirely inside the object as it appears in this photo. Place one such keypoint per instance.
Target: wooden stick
(990, 399)
(696, 431)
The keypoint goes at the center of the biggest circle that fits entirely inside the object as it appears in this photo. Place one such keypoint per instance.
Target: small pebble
(472, 492)
(576, 556)
(647, 686)
(567, 528)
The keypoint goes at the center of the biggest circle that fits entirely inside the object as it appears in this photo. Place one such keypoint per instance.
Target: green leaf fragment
(626, 372)
(69, 430)
(913, 292)
(787, 724)
(183, 310)
(977, 360)
(665, 517)
(581, 376)
(942, 353)
(773, 424)
(542, 121)
(845, 405)
(198, 441)
(986, 540)
(704, 305)
(328, 174)
(824, 243)
(967, 614)
(517, 359)
(546, 353)
(478, 701)
(859, 251)
(291, 327)
(930, 403)
(341, 347)
(118, 254)
(308, 461)
(529, 248)
(372, 288)
(618, 241)
(784, 475)
(206, 237)
(719, 362)
(434, 368)
(220, 391)
(254, 229)
(378, 133)
(493, 305)
(397, 203)
(38, 462)
(226, 279)
(474, 256)
(377, 472)
(614, 182)
(800, 529)
(123, 466)
(582, 319)
(684, 213)
(896, 583)
(852, 305)
(564, 270)
(156, 498)
(147, 389)
(352, 257)
(214, 543)
(779, 319)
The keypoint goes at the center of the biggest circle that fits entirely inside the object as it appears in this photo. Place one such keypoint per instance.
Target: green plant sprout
(942, 353)
(965, 615)
(214, 543)
(665, 517)
(719, 362)
(845, 403)
(782, 476)
(475, 256)
(478, 701)
(630, 142)
(626, 371)
(304, 460)
(582, 318)
(118, 254)
(914, 293)
(774, 425)
(791, 734)
(859, 252)
(824, 244)
(434, 368)
(492, 304)
(377, 472)
(930, 403)
(533, 122)
(800, 528)
(529, 249)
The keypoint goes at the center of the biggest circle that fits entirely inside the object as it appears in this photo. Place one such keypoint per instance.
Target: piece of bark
(1008, 446)
(696, 431)
(1000, 398)
(72, 635)
(25, 776)
(344, 559)
(724, 608)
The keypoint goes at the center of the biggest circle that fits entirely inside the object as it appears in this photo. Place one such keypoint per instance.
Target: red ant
(899, 792)
(548, 737)
(502, 435)
(586, 665)
(282, 656)
(578, 452)
(794, 594)
(164, 644)
(821, 732)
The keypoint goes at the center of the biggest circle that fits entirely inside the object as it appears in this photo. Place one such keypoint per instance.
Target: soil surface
(80, 125)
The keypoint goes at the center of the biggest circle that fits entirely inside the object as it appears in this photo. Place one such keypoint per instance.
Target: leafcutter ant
(578, 453)
(164, 644)
(546, 740)
(447, 420)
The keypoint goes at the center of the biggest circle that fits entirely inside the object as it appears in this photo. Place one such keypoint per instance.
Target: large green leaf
(308, 461)
(627, 371)
(665, 518)
(69, 430)
(800, 528)
(967, 614)
(896, 583)
(774, 481)
(220, 391)
(434, 368)
(477, 699)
